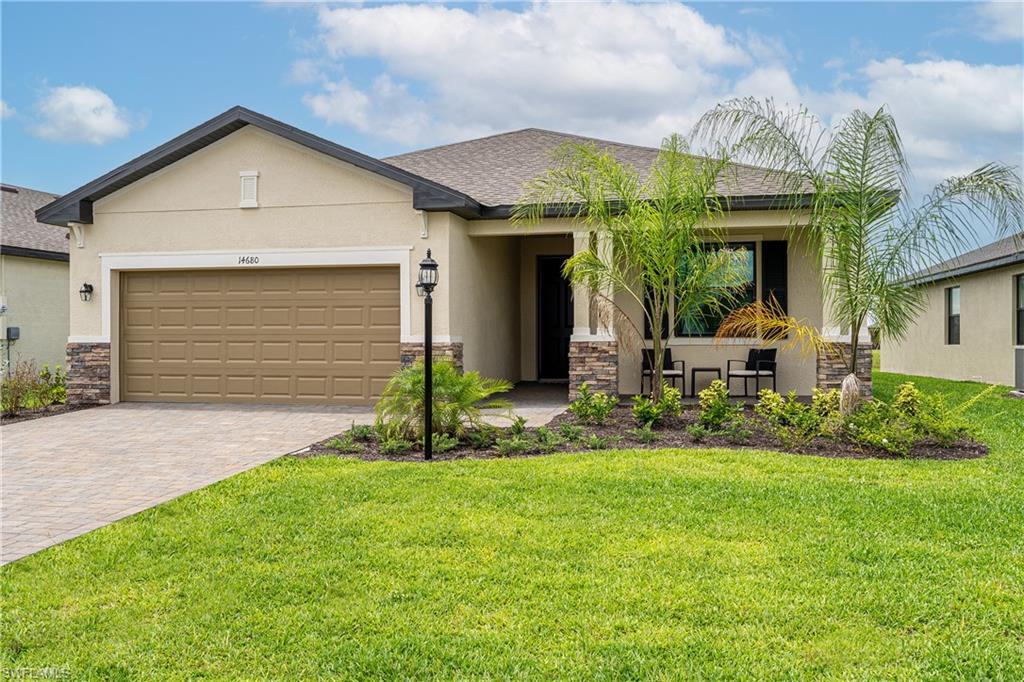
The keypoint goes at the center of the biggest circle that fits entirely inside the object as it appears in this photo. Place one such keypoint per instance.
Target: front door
(554, 319)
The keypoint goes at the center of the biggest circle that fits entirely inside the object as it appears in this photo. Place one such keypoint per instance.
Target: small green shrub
(794, 423)
(597, 442)
(592, 408)
(19, 387)
(825, 404)
(442, 442)
(736, 432)
(458, 399)
(482, 437)
(547, 440)
(518, 425)
(908, 399)
(715, 407)
(698, 432)
(50, 387)
(344, 444)
(362, 432)
(643, 434)
(570, 432)
(646, 412)
(877, 424)
(513, 445)
(671, 402)
(395, 446)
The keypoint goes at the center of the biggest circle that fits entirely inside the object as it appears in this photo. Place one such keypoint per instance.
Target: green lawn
(673, 564)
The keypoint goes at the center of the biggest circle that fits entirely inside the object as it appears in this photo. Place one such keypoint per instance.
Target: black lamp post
(424, 287)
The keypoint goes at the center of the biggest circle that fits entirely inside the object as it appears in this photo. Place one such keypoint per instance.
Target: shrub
(646, 412)
(671, 403)
(715, 407)
(51, 387)
(345, 444)
(794, 423)
(592, 408)
(643, 434)
(596, 442)
(362, 432)
(877, 424)
(826, 404)
(19, 387)
(395, 446)
(513, 445)
(518, 426)
(442, 442)
(736, 431)
(570, 432)
(547, 440)
(908, 399)
(698, 432)
(458, 399)
(482, 437)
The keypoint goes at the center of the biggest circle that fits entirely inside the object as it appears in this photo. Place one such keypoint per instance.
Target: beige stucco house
(250, 261)
(33, 280)
(973, 326)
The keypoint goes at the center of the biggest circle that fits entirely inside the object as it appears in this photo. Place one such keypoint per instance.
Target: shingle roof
(493, 170)
(995, 255)
(20, 229)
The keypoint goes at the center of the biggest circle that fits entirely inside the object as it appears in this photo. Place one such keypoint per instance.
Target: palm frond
(766, 320)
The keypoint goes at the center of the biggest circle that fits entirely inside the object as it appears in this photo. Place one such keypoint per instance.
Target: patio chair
(760, 363)
(669, 371)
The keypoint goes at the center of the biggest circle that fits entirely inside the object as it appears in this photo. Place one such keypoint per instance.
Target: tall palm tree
(649, 237)
(848, 189)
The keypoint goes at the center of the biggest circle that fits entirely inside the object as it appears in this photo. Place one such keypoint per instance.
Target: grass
(615, 564)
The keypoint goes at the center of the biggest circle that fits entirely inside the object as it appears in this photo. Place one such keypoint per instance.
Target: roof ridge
(457, 143)
(29, 189)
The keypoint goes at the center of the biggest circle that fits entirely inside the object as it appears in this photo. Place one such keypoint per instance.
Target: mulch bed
(37, 412)
(671, 434)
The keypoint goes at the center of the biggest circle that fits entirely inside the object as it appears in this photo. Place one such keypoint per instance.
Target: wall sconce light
(85, 292)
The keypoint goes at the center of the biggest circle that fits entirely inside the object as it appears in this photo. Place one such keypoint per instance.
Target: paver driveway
(68, 474)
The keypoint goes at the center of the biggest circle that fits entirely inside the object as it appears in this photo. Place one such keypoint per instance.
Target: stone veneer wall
(88, 367)
(411, 352)
(595, 363)
(832, 367)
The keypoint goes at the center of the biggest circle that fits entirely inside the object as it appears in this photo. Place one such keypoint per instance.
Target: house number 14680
(248, 260)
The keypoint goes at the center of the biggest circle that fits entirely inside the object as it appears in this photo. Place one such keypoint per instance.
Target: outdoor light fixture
(425, 284)
(85, 292)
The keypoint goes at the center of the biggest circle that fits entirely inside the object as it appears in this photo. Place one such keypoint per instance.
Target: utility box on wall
(1019, 383)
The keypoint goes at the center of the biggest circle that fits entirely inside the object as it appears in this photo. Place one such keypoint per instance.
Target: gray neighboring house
(33, 280)
(973, 327)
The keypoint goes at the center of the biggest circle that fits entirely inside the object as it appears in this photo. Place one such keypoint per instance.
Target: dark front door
(554, 319)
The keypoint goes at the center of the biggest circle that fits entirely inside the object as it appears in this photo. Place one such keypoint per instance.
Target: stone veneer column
(88, 368)
(410, 352)
(596, 363)
(832, 367)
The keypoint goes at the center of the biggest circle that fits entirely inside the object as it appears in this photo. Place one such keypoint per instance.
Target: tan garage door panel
(298, 335)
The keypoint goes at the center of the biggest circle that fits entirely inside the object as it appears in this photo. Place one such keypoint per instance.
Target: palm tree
(847, 187)
(657, 241)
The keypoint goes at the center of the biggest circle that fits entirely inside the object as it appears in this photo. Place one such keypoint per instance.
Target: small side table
(693, 377)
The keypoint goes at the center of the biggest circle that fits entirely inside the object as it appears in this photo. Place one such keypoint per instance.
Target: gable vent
(250, 189)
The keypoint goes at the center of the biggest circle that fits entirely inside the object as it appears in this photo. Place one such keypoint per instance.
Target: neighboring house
(973, 326)
(33, 280)
(250, 261)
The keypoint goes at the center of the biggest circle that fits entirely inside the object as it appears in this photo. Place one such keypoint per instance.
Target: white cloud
(79, 113)
(6, 110)
(630, 72)
(1000, 21)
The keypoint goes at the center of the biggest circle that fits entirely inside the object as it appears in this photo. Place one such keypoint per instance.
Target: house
(973, 326)
(33, 280)
(249, 261)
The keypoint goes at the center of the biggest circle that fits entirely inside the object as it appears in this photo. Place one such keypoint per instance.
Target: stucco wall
(796, 370)
(36, 294)
(533, 246)
(986, 348)
(485, 301)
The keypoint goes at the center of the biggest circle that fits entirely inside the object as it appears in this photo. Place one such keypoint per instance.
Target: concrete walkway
(70, 473)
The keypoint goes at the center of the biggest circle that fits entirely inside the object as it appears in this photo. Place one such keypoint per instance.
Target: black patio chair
(669, 371)
(760, 363)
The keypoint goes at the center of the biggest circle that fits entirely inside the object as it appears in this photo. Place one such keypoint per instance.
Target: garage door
(311, 335)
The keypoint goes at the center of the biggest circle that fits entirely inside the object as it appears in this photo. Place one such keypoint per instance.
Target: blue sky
(87, 86)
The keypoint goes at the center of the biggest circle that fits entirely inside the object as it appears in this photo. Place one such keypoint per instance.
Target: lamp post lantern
(425, 284)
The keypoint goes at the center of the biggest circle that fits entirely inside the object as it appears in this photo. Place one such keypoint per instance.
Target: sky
(87, 86)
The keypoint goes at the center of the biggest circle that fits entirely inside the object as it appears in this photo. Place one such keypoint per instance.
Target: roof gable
(76, 206)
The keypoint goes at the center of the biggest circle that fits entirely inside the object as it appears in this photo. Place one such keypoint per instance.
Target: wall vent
(250, 189)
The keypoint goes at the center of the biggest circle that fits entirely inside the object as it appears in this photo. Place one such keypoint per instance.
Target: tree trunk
(849, 391)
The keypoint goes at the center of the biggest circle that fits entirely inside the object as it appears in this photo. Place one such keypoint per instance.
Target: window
(953, 316)
(1020, 309)
(707, 325)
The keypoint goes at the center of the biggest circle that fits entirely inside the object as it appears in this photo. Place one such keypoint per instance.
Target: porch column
(593, 349)
(831, 366)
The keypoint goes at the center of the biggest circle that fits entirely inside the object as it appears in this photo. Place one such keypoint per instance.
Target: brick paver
(71, 473)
